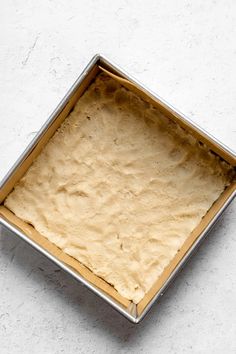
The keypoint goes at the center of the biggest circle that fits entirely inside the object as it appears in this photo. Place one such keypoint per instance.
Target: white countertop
(186, 52)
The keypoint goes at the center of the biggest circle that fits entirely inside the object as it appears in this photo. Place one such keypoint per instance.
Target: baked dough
(119, 187)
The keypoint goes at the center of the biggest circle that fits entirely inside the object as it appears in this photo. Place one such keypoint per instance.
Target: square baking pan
(133, 312)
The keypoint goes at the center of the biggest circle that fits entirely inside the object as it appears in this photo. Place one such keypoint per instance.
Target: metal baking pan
(131, 311)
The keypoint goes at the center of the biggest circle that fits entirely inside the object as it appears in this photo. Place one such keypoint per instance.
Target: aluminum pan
(130, 313)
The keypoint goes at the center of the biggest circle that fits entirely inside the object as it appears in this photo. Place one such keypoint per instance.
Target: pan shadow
(97, 313)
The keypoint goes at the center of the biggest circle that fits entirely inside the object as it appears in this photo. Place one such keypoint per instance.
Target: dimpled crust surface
(119, 187)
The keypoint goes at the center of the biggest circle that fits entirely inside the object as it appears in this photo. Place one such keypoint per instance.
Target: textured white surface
(184, 50)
